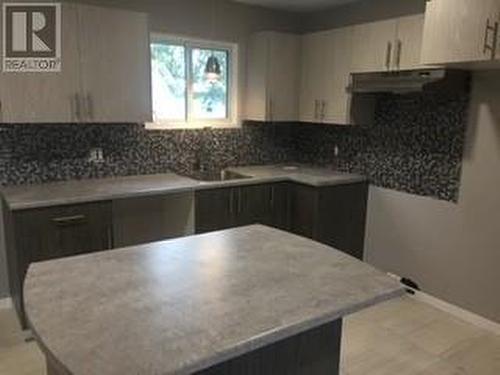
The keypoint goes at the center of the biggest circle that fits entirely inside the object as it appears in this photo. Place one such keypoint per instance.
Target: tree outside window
(181, 92)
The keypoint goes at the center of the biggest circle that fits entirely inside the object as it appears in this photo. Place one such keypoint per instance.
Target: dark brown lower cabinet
(224, 208)
(333, 215)
(50, 233)
(215, 209)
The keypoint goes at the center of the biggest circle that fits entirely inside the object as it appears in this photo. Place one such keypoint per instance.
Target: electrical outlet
(96, 155)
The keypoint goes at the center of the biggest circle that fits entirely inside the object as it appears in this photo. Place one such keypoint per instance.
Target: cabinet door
(149, 219)
(409, 42)
(45, 97)
(313, 70)
(283, 77)
(341, 219)
(267, 204)
(338, 53)
(115, 65)
(256, 101)
(373, 46)
(215, 209)
(254, 205)
(281, 206)
(304, 211)
(455, 31)
(497, 48)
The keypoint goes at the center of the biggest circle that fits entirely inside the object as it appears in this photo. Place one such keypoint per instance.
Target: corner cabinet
(333, 215)
(272, 77)
(105, 74)
(461, 31)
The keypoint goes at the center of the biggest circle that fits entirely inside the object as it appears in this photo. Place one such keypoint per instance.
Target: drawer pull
(388, 55)
(70, 220)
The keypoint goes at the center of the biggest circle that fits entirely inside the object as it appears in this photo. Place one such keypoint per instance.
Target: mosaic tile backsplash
(415, 146)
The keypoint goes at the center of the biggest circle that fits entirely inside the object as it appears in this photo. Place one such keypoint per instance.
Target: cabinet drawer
(63, 231)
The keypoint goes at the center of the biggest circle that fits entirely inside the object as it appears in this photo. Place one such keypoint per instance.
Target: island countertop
(34, 196)
(181, 306)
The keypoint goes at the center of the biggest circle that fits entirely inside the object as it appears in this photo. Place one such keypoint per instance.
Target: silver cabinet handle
(388, 56)
(316, 109)
(490, 48)
(231, 201)
(239, 201)
(110, 240)
(323, 109)
(271, 110)
(271, 200)
(90, 106)
(399, 49)
(495, 39)
(70, 220)
(78, 107)
(266, 115)
(1, 111)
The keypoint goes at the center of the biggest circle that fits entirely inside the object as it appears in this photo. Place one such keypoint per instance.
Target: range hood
(409, 81)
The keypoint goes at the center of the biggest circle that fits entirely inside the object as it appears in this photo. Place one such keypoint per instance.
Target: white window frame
(232, 119)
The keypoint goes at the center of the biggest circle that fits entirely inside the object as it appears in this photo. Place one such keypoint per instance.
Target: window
(182, 94)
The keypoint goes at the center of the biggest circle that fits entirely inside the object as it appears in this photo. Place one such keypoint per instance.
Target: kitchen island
(250, 300)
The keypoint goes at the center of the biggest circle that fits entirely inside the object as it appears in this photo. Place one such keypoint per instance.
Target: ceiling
(297, 5)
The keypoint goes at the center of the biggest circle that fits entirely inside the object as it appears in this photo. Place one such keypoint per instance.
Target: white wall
(451, 250)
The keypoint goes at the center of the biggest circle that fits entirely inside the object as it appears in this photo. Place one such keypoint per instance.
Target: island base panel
(315, 352)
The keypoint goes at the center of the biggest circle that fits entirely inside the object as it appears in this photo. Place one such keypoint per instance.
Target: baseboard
(5, 303)
(458, 312)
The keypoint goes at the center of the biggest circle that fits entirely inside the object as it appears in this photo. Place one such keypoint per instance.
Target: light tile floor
(400, 337)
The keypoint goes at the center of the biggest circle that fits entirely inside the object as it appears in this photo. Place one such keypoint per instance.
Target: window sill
(193, 126)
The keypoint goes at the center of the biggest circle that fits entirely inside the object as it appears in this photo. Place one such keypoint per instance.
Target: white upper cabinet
(46, 97)
(315, 48)
(327, 64)
(338, 55)
(374, 44)
(388, 45)
(115, 64)
(272, 77)
(105, 74)
(409, 42)
(460, 31)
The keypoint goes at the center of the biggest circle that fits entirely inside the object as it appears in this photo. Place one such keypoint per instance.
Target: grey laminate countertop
(180, 306)
(93, 190)
(303, 174)
(84, 191)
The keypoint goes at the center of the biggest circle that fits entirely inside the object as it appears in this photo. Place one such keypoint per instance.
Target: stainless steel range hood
(409, 81)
